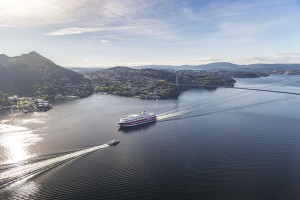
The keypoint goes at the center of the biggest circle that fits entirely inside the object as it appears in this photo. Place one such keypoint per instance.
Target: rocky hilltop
(34, 75)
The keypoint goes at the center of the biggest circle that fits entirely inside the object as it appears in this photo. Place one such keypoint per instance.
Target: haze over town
(104, 33)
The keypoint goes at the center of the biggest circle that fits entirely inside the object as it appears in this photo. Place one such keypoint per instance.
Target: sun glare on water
(15, 142)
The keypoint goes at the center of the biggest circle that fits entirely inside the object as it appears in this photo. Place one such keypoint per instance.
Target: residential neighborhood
(154, 84)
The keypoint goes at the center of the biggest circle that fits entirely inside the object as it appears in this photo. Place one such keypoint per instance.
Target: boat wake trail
(209, 108)
(14, 175)
(220, 104)
(202, 106)
(217, 104)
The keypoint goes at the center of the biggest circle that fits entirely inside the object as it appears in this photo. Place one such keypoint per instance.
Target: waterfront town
(39, 100)
(26, 104)
(155, 84)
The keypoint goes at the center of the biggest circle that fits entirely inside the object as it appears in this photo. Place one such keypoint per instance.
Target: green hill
(33, 75)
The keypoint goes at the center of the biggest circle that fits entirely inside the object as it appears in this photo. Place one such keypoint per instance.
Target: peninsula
(155, 84)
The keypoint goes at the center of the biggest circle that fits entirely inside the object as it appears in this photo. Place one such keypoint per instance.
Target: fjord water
(208, 144)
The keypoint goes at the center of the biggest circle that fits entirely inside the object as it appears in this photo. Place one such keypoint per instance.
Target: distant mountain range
(29, 73)
(217, 66)
(227, 66)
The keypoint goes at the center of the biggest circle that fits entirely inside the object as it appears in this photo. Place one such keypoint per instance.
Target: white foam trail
(211, 109)
(200, 106)
(205, 106)
(28, 170)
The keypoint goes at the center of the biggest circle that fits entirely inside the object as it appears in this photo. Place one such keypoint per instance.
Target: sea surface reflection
(17, 135)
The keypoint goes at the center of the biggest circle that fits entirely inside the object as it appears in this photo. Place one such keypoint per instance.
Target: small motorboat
(113, 142)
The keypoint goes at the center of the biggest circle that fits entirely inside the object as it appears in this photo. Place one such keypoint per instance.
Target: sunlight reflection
(15, 141)
(25, 190)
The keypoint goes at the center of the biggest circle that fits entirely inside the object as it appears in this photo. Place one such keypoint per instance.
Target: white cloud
(84, 16)
(36, 12)
(142, 17)
(143, 27)
(155, 28)
(7, 25)
(104, 41)
(72, 31)
(44, 12)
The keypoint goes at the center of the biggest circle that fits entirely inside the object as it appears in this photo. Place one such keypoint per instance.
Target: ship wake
(15, 174)
(212, 107)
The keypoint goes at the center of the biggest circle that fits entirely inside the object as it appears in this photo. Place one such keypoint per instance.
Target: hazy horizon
(157, 65)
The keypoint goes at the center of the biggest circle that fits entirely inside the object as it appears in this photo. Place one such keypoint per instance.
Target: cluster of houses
(29, 105)
(134, 85)
(12, 98)
(42, 105)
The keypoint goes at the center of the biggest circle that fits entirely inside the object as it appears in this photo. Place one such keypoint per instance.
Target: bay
(207, 144)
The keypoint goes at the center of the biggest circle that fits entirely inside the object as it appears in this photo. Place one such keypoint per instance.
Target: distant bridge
(239, 88)
(265, 90)
(243, 88)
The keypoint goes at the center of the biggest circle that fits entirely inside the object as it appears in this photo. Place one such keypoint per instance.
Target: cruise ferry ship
(137, 119)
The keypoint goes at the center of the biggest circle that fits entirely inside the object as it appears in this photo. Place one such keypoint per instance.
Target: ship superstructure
(137, 119)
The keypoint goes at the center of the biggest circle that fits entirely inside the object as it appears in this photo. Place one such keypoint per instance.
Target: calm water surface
(217, 144)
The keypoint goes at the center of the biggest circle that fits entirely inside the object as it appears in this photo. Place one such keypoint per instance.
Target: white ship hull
(136, 120)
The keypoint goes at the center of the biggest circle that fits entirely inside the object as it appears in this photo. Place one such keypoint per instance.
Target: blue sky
(144, 32)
